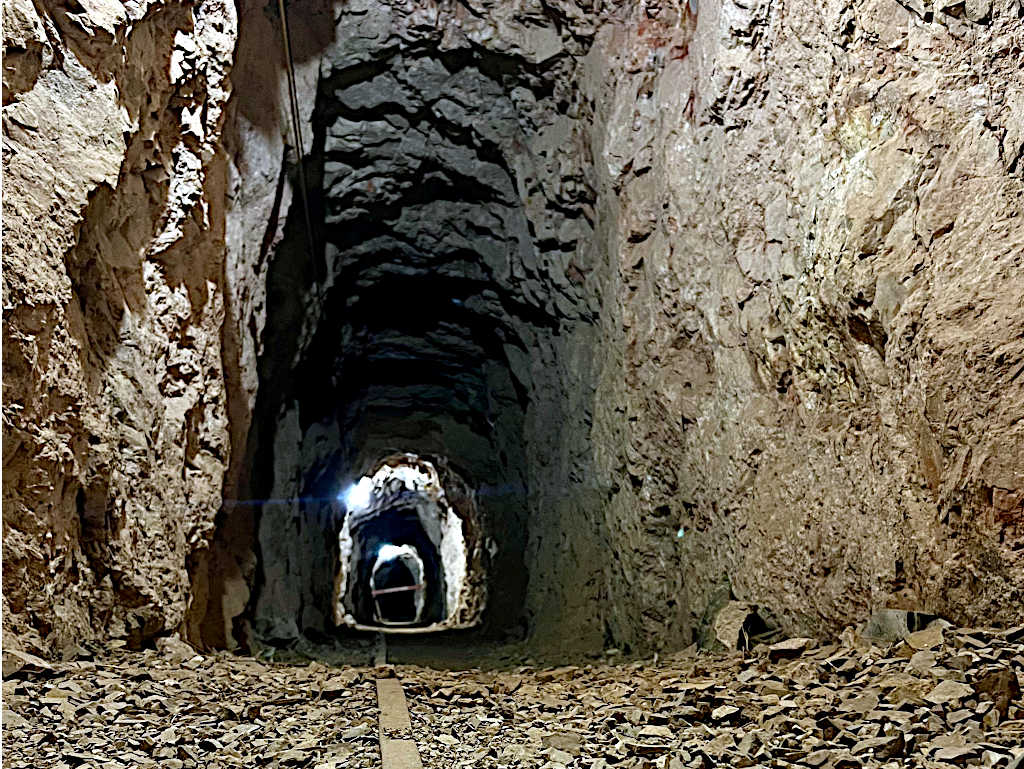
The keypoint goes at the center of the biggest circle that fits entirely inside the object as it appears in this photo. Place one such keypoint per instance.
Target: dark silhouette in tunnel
(398, 526)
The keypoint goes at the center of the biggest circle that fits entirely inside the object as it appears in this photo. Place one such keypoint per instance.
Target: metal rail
(404, 588)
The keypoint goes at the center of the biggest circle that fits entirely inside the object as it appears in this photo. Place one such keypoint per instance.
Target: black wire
(299, 144)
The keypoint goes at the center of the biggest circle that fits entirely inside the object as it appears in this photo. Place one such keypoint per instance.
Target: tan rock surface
(700, 710)
(842, 705)
(177, 708)
(814, 304)
(115, 438)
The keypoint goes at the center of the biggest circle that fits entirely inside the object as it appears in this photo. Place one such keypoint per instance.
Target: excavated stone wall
(115, 422)
(814, 318)
(260, 192)
(749, 274)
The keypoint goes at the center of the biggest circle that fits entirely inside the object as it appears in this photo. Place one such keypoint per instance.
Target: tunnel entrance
(443, 311)
(397, 583)
(407, 557)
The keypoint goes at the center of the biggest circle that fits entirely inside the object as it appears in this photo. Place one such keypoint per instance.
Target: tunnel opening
(443, 314)
(407, 558)
(397, 582)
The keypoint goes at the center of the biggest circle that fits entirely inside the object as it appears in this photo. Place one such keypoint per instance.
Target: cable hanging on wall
(293, 99)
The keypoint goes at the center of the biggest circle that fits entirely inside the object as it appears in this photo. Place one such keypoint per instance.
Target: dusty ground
(937, 699)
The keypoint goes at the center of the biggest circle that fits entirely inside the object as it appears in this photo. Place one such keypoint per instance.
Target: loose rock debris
(943, 697)
(178, 709)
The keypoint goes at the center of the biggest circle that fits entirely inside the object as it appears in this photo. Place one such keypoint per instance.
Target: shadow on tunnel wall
(223, 575)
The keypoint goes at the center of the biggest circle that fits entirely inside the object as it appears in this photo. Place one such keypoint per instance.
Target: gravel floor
(178, 709)
(939, 699)
(943, 697)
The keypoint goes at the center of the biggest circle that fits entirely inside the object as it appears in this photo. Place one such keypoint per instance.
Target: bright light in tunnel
(399, 518)
(389, 552)
(357, 496)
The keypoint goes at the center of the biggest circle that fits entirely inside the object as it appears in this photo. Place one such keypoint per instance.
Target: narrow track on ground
(397, 746)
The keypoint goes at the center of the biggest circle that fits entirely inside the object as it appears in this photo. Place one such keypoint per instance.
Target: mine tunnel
(408, 557)
(513, 383)
(450, 218)
(641, 381)
(402, 323)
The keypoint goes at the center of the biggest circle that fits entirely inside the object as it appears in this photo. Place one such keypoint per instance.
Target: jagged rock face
(115, 436)
(818, 303)
(259, 195)
(709, 301)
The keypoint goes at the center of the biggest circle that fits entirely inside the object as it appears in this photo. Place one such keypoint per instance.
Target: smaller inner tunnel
(407, 557)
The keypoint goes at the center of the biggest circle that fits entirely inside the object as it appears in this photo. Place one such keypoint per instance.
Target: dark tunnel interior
(408, 324)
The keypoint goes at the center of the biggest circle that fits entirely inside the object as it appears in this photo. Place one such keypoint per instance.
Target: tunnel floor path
(936, 699)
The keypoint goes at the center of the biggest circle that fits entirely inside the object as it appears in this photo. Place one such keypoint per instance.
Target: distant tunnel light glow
(399, 516)
(390, 552)
(357, 496)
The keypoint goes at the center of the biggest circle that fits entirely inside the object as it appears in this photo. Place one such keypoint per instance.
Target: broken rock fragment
(948, 691)
(1001, 687)
(19, 663)
(730, 624)
(791, 647)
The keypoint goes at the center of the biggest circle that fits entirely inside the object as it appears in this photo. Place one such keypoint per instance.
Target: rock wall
(115, 427)
(812, 317)
(260, 189)
(749, 275)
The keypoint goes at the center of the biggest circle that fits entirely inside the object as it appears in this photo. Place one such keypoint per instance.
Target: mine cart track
(397, 747)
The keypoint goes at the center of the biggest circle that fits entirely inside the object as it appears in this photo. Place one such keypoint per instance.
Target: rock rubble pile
(177, 709)
(940, 698)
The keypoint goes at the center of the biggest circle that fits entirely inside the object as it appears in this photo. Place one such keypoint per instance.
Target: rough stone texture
(817, 265)
(115, 436)
(849, 704)
(714, 301)
(145, 709)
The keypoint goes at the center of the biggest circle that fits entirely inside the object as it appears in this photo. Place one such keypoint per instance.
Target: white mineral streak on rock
(453, 557)
(200, 64)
